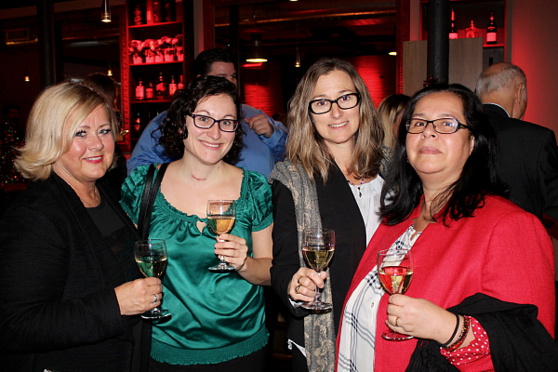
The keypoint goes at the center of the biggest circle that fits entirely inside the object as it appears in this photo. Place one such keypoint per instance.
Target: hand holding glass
(151, 257)
(318, 246)
(395, 271)
(221, 215)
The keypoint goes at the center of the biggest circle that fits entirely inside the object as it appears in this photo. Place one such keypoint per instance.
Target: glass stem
(317, 295)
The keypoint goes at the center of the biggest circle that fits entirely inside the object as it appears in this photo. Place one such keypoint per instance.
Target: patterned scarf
(319, 331)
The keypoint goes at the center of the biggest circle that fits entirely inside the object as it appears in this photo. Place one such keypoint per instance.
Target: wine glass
(318, 246)
(220, 220)
(395, 270)
(151, 257)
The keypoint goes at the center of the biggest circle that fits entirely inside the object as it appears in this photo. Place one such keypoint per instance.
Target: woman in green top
(218, 319)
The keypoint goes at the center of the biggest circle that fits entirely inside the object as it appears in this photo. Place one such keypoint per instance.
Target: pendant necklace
(358, 186)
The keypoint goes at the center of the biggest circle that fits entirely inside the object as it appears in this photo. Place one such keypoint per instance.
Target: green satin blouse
(215, 316)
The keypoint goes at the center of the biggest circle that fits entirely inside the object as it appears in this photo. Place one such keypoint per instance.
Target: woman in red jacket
(475, 253)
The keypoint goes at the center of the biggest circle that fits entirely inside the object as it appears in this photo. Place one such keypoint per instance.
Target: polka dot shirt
(477, 349)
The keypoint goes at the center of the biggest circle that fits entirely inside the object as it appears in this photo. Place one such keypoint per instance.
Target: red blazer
(502, 251)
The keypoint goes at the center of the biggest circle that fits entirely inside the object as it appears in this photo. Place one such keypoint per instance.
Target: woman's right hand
(139, 296)
(304, 283)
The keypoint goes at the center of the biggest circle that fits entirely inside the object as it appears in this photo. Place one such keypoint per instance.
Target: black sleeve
(548, 163)
(285, 245)
(33, 315)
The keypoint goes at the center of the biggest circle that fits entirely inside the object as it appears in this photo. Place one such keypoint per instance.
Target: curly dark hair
(173, 128)
(403, 191)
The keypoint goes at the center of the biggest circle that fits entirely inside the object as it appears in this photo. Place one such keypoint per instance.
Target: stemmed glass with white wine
(395, 271)
(318, 246)
(151, 257)
(221, 215)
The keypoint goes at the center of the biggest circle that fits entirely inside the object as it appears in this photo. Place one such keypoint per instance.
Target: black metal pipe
(438, 41)
(47, 51)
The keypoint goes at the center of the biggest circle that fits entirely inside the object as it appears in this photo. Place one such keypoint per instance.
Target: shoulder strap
(148, 198)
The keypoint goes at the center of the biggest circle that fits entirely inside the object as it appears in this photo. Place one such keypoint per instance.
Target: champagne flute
(221, 215)
(395, 271)
(318, 246)
(151, 257)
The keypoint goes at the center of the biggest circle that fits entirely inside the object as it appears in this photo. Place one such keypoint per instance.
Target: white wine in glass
(221, 215)
(151, 257)
(395, 271)
(318, 246)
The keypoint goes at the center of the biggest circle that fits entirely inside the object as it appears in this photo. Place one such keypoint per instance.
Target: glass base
(394, 336)
(155, 314)
(222, 267)
(317, 306)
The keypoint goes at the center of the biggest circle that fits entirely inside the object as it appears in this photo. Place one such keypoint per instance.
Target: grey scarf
(319, 331)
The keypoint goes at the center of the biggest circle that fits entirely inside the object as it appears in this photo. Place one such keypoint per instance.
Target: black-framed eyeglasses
(442, 125)
(344, 102)
(206, 122)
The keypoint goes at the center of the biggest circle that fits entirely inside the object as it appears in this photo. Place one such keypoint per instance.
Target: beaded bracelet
(448, 343)
(462, 335)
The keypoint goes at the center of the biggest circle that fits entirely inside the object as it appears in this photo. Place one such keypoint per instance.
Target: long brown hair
(307, 147)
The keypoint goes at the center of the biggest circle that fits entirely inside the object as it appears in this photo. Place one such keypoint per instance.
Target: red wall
(262, 86)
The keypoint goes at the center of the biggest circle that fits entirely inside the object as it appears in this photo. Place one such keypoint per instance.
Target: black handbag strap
(148, 198)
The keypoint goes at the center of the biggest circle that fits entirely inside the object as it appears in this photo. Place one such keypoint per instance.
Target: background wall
(534, 48)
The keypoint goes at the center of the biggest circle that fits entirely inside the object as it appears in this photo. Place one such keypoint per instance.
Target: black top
(338, 211)
(59, 310)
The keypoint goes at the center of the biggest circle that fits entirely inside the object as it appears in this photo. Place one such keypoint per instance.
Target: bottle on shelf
(157, 11)
(140, 91)
(491, 30)
(172, 87)
(169, 10)
(138, 17)
(150, 91)
(138, 123)
(453, 30)
(180, 85)
(149, 12)
(161, 87)
(472, 30)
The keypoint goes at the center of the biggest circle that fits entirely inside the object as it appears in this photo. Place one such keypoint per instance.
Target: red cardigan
(502, 251)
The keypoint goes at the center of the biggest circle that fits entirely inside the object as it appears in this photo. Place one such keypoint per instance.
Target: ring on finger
(155, 298)
(396, 321)
(297, 288)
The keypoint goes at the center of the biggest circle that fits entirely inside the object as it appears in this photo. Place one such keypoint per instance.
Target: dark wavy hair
(173, 128)
(403, 190)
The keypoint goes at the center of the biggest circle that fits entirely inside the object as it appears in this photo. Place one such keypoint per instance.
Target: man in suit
(527, 155)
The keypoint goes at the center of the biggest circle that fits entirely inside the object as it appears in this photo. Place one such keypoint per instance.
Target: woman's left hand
(233, 249)
(419, 318)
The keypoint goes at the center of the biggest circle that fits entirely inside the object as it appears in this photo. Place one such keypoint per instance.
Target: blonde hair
(53, 121)
(390, 107)
(307, 147)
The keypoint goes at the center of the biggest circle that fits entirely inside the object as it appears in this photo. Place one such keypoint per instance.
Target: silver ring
(155, 298)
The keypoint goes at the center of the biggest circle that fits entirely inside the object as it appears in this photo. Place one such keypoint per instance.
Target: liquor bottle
(491, 30)
(150, 91)
(471, 31)
(180, 85)
(138, 19)
(161, 87)
(453, 30)
(138, 123)
(169, 10)
(157, 11)
(149, 12)
(140, 91)
(172, 87)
